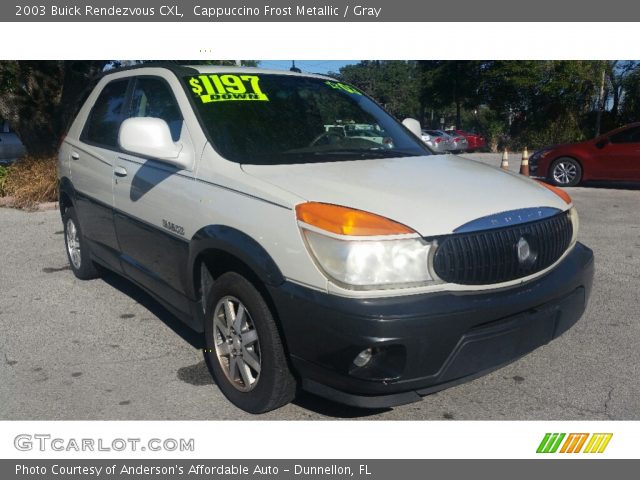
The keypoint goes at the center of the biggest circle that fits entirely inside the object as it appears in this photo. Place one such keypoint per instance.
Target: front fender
(238, 244)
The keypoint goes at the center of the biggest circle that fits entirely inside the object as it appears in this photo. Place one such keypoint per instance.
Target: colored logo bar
(574, 443)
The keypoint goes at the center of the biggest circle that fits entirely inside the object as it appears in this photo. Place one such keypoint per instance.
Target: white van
(365, 273)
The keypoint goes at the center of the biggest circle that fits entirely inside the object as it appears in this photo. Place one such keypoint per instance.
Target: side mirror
(414, 126)
(151, 137)
(602, 143)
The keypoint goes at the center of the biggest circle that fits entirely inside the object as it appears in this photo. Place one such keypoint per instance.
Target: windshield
(270, 119)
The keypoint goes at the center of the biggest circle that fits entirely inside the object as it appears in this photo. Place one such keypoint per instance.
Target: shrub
(562, 130)
(30, 181)
(4, 171)
(492, 126)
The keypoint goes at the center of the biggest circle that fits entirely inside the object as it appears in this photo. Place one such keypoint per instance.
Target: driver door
(152, 199)
(622, 155)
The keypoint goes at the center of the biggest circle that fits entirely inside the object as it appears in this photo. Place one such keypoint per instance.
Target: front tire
(77, 248)
(565, 172)
(244, 351)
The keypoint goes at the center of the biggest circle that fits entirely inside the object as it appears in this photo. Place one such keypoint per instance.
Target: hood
(432, 195)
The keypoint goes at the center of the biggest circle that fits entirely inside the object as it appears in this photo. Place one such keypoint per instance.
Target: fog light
(363, 358)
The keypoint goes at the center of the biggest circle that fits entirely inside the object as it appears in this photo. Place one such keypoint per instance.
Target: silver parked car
(437, 140)
(459, 142)
(11, 147)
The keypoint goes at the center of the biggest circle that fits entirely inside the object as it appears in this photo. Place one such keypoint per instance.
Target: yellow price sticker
(223, 88)
(344, 87)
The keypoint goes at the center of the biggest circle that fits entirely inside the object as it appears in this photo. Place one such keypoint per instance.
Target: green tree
(394, 84)
(543, 101)
(451, 83)
(630, 103)
(617, 73)
(37, 98)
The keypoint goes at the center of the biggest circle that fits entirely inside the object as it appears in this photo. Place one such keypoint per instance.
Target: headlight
(575, 224)
(540, 154)
(363, 251)
(371, 263)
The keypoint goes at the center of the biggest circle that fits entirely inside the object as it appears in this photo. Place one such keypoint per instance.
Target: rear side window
(77, 104)
(152, 97)
(106, 115)
(631, 135)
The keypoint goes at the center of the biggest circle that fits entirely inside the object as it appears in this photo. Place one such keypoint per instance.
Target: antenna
(294, 68)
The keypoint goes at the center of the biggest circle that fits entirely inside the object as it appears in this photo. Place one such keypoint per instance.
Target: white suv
(369, 274)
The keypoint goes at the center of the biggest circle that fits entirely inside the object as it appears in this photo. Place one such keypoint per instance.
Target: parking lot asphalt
(103, 350)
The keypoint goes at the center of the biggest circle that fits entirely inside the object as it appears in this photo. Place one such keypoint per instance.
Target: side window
(632, 135)
(152, 97)
(107, 114)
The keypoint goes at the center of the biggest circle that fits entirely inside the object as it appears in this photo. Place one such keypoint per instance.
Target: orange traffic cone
(505, 160)
(524, 165)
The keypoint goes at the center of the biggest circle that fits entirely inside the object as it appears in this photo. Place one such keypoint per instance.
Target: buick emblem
(526, 256)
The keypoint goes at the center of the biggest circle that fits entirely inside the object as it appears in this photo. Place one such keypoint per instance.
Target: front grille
(492, 256)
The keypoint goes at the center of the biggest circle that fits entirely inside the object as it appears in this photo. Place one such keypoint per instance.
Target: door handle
(75, 156)
(120, 172)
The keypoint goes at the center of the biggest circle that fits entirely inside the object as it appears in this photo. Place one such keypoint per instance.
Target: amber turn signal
(347, 221)
(561, 193)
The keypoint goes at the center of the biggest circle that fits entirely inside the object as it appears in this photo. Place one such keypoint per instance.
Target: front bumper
(424, 343)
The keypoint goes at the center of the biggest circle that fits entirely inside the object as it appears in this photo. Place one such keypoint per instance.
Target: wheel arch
(222, 249)
(571, 157)
(66, 195)
(225, 249)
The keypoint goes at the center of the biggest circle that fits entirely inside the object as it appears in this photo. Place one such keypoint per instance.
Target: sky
(309, 66)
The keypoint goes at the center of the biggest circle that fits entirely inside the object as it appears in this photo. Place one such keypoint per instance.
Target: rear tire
(565, 172)
(77, 248)
(244, 351)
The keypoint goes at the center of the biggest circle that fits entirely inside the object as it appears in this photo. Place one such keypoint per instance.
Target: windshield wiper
(377, 153)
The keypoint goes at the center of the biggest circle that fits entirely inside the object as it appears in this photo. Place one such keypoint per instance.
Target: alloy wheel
(73, 244)
(565, 173)
(237, 344)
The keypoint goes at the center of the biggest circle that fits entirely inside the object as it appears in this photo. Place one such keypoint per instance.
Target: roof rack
(175, 67)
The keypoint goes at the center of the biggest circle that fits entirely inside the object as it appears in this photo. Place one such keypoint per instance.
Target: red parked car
(475, 140)
(614, 155)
